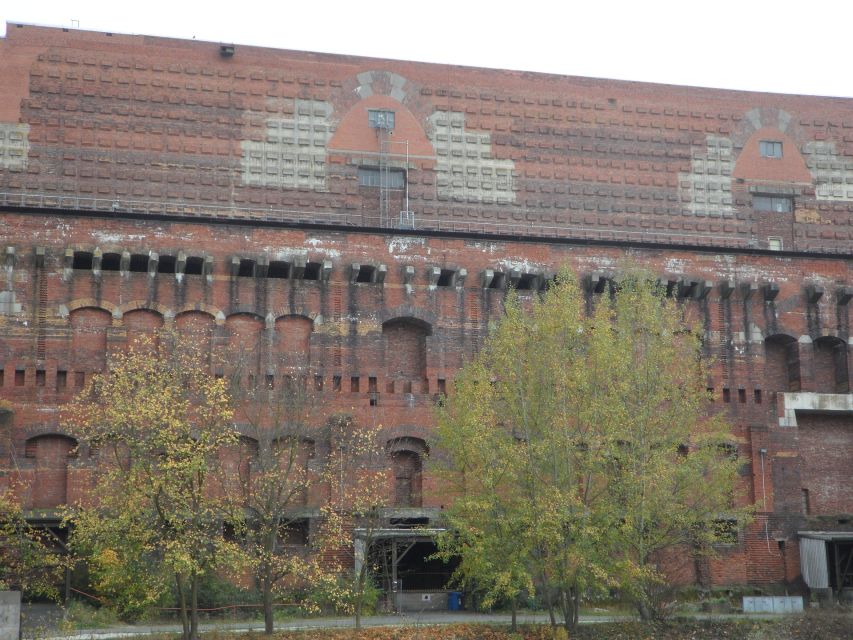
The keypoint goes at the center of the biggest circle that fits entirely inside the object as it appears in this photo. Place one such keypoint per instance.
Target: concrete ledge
(808, 402)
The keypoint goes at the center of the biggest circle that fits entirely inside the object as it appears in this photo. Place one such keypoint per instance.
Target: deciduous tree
(159, 420)
(581, 446)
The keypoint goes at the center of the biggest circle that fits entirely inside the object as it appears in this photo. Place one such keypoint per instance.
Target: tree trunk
(194, 607)
(514, 626)
(550, 604)
(266, 586)
(182, 605)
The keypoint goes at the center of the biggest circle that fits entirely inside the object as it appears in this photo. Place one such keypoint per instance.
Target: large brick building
(367, 217)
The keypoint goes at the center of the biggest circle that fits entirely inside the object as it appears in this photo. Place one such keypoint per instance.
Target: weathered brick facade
(147, 182)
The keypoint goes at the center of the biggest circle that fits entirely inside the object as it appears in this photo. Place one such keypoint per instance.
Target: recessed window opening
(20, 377)
(270, 381)
(194, 266)
(442, 386)
(499, 281)
(526, 282)
(381, 118)
(61, 379)
(372, 177)
(82, 260)
(770, 149)
(139, 263)
(741, 395)
(710, 391)
(776, 204)
(111, 262)
(312, 271)
(166, 264)
(774, 243)
(278, 269)
(318, 383)
(366, 273)
(354, 384)
(806, 502)
(757, 396)
(727, 395)
(40, 377)
(336, 383)
(446, 278)
(247, 268)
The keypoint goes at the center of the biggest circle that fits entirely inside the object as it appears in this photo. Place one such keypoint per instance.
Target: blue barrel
(454, 601)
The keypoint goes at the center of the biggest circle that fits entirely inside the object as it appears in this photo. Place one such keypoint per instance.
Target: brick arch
(781, 362)
(142, 305)
(292, 340)
(831, 365)
(141, 323)
(406, 432)
(81, 303)
(407, 456)
(50, 453)
(409, 311)
(89, 326)
(215, 312)
(791, 167)
(245, 340)
(354, 134)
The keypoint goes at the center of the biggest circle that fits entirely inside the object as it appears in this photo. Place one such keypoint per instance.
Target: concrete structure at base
(254, 193)
(10, 615)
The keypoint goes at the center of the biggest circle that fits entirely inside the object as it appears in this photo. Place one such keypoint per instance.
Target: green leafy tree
(565, 447)
(159, 421)
(29, 558)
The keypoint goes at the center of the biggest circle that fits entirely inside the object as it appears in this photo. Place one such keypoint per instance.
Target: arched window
(782, 363)
(407, 467)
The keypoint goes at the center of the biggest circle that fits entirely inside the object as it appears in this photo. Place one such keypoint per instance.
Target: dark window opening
(372, 177)
(366, 273)
(61, 379)
(757, 396)
(776, 204)
(741, 395)
(727, 395)
(194, 266)
(111, 262)
(2, 377)
(293, 533)
(318, 383)
(526, 282)
(409, 523)
(354, 384)
(270, 381)
(247, 268)
(710, 391)
(278, 269)
(336, 383)
(82, 260)
(79, 379)
(807, 507)
(312, 271)
(446, 278)
(499, 281)
(442, 386)
(20, 377)
(381, 118)
(41, 377)
(725, 530)
(139, 263)
(770, 149)
(166, 264)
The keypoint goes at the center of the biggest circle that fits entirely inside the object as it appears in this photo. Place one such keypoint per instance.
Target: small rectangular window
(318, 383)
(727, 395)
(353, 384)
(757, 396)
(336, 383)
(373, 177)
(770, 149)
(806, 502)
(774, 243)
(381, 118)
(61, 379)
(741, 395)
(20, 377)
(776, 204)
